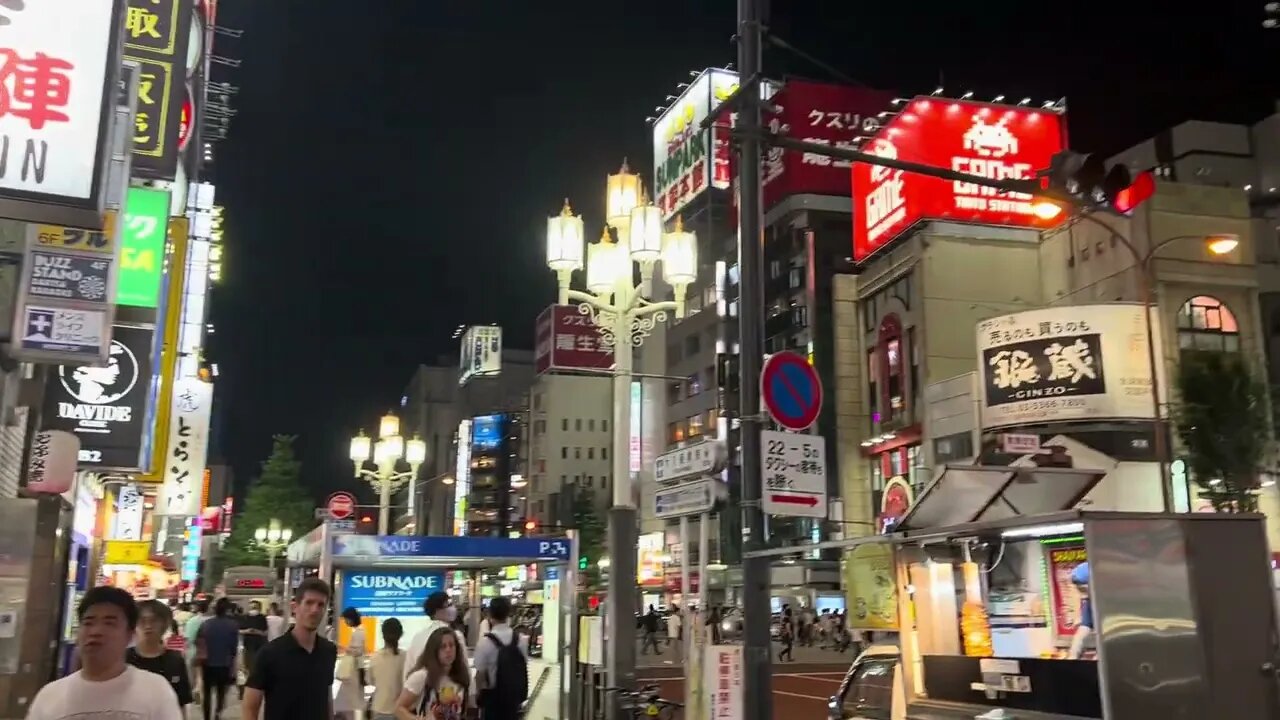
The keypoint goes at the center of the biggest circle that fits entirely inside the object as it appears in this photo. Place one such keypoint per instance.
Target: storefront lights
(564, 240)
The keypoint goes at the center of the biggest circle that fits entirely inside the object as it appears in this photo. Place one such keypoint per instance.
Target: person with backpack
(502, 668)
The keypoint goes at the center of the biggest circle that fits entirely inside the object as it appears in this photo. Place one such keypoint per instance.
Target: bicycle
(644, 703)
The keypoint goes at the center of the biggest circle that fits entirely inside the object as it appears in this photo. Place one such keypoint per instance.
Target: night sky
(392, 164)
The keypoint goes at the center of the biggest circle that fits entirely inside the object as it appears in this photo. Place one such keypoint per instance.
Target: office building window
(564, 424)
(590, 480)
(1206, 323)
(564, 479)
(564, 453)
(675, 432)
(692, 345)
(591, 453)
(591, 424)
(695, 425)
(694, 384)
(577, 453)
(577, 425)
(604, 453)
(604, 426)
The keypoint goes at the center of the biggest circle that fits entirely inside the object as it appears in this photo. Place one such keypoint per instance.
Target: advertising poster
(566, 339)
(486, 433)
(105, 406)
(379, 595)
(991, 141)
(481, 352)
(1063, 558)
(871, 589)
(1071, 363)
(156, 36)
(722, 681)
(51, 467)
(142, 244)
(54, 119)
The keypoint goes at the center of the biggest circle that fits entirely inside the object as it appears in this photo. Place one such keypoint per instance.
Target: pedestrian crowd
(150, 661)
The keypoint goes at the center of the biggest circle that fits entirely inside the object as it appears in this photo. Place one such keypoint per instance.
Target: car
(872, 689)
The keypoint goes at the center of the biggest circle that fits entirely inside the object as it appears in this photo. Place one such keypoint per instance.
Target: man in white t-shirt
(442, 613)
(275, 622)
(105, 685)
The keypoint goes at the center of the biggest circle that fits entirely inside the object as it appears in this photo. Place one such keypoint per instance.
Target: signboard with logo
(566, 339)
(55, 115)
(187, 448)
(126, 552)
(156, 36)
(389, 594)
(895, 501)
(993, 141)
(1082, 362)
(817, 113)
(486, 433)
(481, 352)
(68, 276)
(52, 464)
(143, 232)
(67, 332)
(106, 407)
(869, 582)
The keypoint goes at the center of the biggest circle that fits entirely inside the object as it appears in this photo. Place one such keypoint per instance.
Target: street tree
(276, 494)
(588, 521)
(1222, 417)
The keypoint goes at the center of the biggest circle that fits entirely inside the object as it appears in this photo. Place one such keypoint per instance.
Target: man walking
(219, 641)
(105, 685)
(502, 670)
(293, 674)
(650, 624)
(443, 614)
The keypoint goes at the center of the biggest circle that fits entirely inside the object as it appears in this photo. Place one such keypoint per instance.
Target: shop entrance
(392, 575)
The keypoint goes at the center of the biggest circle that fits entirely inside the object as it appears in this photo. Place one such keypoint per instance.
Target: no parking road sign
(791, 390)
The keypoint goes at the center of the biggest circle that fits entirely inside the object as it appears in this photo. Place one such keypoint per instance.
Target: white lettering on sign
(886, 204)
(395, 582)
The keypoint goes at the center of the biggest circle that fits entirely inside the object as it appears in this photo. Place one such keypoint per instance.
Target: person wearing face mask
(253, 635)
(443, 614)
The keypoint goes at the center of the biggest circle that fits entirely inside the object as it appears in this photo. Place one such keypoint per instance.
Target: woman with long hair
(351, 690)
(387, 669)
(439, 685)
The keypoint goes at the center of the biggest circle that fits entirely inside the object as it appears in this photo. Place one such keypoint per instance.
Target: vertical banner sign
(52, 465)
(142, 238)
(188, 446)
(105, 406)
(128, 524)
(1064, 558)
(723, 681)
(57, 65)
(156, 37)
(481, 352)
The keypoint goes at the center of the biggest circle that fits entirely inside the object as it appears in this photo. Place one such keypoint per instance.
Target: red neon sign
(994, 141)
(251, 583)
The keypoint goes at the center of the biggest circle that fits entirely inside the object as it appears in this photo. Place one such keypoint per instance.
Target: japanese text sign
(682, 157)
(820, 113)
(723, 681)
(156, 37)
(1064, 558)
(52, 464)
(144, 230)
(566, 339)
(188, 446)
(54, 74)
(999, 142)
(1083, 362)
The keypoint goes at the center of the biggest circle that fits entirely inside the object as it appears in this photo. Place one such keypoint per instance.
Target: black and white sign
(69, 277)
(188, 446)
(795, 474)
(1084, 362)
(105, 407)
(481, 352)
(62, 330)
(691, 498)
(703, 458)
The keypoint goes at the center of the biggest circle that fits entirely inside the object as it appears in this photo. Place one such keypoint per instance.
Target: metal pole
(620, 660)
(384, 502)
(704, 542)
(684, 563)
(757, 689)
(570, 692)
(1161, 441)
(271, 560)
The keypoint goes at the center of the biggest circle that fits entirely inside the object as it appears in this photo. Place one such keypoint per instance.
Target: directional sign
(341, 505)
(703, 458)
(450, 546)
(795, 474)
(692, 498)
(791, 390)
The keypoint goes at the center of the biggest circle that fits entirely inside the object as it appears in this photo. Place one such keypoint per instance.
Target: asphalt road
(800, 690)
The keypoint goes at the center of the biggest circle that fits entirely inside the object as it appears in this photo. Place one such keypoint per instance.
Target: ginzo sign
(999, 142)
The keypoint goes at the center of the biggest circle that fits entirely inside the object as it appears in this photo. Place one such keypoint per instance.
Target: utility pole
(757, 673)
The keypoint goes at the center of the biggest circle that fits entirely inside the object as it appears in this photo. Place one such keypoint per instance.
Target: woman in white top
(387, 671)
(439, 685)
(351, 691)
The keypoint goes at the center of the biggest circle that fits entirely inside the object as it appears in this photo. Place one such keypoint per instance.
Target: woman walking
(350, 673)
(439, 686)
(387, 671)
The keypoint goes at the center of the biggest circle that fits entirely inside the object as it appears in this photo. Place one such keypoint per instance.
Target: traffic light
(582, 562)
(366, 524)
(1088, 180)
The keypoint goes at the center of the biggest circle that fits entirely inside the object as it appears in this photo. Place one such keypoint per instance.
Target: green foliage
(275, 495)
(590, 524)
(1222, 420)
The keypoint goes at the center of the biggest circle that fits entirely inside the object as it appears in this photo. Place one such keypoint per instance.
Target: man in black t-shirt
(150, 654)
(253, 633)
(293, 675)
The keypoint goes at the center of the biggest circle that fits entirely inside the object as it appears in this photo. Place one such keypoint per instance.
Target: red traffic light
(531, 525)
(1138, 192)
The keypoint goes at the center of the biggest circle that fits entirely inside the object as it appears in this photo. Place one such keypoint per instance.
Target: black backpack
(511, 686)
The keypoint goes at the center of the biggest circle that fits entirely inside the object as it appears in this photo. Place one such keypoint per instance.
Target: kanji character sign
(34, 88)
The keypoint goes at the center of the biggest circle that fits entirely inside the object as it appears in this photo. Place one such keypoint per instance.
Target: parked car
(872, 688)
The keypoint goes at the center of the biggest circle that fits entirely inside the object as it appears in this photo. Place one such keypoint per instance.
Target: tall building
(570, 441)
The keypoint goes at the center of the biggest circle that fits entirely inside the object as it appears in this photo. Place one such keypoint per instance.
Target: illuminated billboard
(486, 433)
(565, 339)
(1000, 142)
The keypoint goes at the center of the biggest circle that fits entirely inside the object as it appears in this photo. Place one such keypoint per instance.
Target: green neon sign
(143, 232)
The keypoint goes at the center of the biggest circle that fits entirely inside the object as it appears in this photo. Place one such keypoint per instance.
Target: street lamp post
(625, 316)
(273, 539)
(1217, 245)
(386, 453)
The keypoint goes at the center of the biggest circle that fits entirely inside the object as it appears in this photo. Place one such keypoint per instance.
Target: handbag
(346, 669)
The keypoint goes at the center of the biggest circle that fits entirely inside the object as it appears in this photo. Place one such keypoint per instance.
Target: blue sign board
(389, 593)
(449, 546)
(486, 432)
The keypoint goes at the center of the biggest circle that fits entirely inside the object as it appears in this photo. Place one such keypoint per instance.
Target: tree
(275, 495)
(1223, 421)
(591, 531)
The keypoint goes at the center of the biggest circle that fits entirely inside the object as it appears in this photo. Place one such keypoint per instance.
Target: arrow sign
(691, 498)
(795, 474)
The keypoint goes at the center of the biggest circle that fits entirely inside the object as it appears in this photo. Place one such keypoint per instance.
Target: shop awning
(964, 494)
